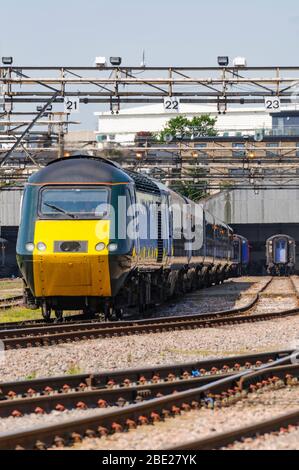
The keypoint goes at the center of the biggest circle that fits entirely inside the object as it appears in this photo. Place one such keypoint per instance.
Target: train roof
(221, 223)
(281, 235)
(144, 183)
(236, 235)
(80, 169)
(76, 170)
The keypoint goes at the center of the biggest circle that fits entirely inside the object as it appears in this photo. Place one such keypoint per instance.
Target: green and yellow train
(97, 238)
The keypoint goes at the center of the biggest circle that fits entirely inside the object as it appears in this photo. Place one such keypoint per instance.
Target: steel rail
(222, 440)
(94, 333)
(205, 368)
(7, 303)
(105, 422)
(59, 333)
(250, 431)
(36, 336)
(45, 335)
(80, 318)
(117, 388)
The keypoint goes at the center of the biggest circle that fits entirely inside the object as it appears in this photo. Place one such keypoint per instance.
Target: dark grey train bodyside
(72, 257)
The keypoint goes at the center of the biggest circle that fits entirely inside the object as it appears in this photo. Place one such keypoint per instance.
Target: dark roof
(144, 183)
(280, 235)
(81, 169)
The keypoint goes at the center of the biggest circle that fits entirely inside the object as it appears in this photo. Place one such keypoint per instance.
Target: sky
(172, 32)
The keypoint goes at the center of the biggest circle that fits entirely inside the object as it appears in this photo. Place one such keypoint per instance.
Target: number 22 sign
(171, 104)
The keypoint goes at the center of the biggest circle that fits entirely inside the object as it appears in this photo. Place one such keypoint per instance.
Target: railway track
(9, 302)
(280, 422)
(127, 386)
(226, 439)
(22, 324)
(235, 384)
(69, 332)
(81, 319)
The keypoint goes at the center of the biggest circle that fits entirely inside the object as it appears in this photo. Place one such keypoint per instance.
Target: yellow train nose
(71, 275)
(69, 264)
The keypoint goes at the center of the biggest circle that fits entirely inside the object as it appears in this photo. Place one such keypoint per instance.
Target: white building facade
(122, 128)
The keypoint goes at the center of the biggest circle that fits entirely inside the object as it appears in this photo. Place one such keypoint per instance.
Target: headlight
(112, 247)
(100, 247)
(30, 247)
(41, 246)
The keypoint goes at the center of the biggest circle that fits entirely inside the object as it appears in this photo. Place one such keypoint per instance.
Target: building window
(240, 152)
(274, 152)
(286, 124)
(201, 148)
(239, 172)
(101, 138)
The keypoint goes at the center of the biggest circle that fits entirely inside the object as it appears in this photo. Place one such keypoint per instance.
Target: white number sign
(171, 104)
(272, 104)
(72, 105)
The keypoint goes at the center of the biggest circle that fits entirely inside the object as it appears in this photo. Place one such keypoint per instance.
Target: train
(281, 255)
(241, 255)
(100, 239)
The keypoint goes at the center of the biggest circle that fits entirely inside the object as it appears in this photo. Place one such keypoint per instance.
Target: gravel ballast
(55, 417)
(282, 441)
(169, 348)
(234, 293)
(150, 349)
(184, 428)
(279, 295)
(200, 424)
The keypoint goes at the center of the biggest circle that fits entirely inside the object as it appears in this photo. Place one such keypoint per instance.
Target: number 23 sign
(272, 104)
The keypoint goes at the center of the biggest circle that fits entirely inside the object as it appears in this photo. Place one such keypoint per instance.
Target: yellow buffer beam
(71, 274)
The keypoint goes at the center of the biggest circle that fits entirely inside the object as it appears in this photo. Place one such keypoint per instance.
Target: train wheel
(110, 313)
(107, 312)
(113, 314)
(206, 280)
(59, 314)
(46, 312)
(29, 300)
(88, 313)
(119, 313)
(141, 308)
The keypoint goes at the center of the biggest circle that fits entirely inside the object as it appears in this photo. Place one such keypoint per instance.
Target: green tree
(192, 189)
(181, 127)
(204, 125)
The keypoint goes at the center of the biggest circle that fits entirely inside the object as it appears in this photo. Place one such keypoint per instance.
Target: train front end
(281, 255)
(67, 242)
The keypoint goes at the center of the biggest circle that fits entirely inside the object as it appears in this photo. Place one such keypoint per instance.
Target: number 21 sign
(72, 105)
